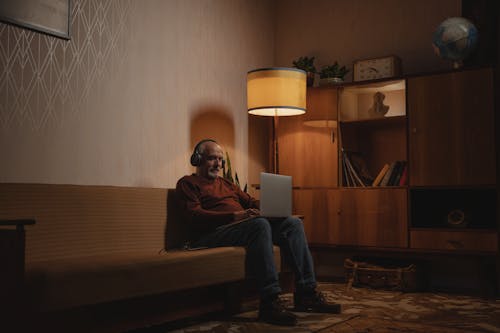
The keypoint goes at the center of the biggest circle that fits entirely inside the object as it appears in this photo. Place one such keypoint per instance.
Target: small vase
(330, 81)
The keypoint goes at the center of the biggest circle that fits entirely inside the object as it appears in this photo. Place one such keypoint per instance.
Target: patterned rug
(369, 311)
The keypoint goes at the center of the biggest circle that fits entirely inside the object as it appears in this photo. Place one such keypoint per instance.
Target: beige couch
(96, 245)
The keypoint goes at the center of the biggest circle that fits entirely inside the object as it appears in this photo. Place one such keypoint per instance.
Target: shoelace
(321, 297)
(280, 304)
(318, 298)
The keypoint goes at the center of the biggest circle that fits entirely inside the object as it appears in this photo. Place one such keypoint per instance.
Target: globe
(455, 39)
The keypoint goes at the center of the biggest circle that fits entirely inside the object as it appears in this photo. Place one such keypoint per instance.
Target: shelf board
(374, 187)
(375, 121)
(374, 86)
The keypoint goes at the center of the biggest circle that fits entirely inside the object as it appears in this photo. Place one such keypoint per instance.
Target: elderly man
(212, 205)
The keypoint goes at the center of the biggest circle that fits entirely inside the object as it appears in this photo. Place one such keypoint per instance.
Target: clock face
(374, 69)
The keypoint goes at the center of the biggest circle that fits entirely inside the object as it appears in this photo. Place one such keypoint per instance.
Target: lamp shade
(276, 91)
(321, 108)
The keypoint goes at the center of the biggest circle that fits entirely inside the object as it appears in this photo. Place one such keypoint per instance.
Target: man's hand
(244, 214)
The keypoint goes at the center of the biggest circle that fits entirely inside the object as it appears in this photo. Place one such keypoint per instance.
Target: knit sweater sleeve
(198, 217)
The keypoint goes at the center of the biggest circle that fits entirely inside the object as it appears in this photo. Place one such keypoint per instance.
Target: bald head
(211, 162)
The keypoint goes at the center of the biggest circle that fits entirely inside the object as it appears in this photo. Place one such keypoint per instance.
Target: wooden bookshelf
(440, 124)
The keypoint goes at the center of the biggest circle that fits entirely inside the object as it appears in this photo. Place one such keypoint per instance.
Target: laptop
(275, 198)
(275, 195)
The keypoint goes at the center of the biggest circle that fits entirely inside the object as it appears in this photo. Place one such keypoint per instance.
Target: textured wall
(120, 103)
(348, 30)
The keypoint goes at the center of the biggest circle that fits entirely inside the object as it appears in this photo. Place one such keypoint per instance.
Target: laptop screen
(275, 195)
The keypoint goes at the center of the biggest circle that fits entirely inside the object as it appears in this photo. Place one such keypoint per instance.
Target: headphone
(197, 157)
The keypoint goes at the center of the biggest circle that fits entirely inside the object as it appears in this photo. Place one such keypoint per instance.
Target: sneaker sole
(303, 309)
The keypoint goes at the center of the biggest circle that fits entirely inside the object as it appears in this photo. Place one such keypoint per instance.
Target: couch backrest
(80, 220)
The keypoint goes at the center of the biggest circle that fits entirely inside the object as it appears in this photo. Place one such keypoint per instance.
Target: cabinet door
(320, 210)
(372, 217)
(451, 125)
(308, 153)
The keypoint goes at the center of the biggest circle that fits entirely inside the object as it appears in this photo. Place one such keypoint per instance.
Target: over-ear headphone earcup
(196, 156)
(196, 159)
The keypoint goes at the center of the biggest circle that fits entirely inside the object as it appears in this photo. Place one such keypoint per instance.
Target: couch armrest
(12, 262)
(18, 223)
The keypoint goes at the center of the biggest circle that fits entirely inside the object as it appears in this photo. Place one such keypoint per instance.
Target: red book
(404, 176)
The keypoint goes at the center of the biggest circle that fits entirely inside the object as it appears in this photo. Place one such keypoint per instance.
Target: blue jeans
(258, 236)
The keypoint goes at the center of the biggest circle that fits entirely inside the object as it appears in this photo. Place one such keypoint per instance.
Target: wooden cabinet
(321, 209)
(360, 217)
(452, 162)
(372, 217)
(440, 125)
(451, 123)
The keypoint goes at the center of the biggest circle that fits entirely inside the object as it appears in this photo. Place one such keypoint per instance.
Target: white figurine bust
(378, 108)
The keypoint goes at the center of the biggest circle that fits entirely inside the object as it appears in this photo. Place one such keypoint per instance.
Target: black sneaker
(314, 302)
(274, 312)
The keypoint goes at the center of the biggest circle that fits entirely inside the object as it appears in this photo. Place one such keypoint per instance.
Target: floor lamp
(276, 92)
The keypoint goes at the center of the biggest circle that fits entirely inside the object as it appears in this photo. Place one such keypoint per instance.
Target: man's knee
(260, 228)
(259, 231)
(261, 225)
(293, 222)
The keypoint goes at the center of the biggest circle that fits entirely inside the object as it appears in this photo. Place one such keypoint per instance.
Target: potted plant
(307, 65)
(332, 74)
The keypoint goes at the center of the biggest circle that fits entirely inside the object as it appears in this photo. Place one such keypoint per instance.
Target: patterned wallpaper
(120, 102)
(41, 75)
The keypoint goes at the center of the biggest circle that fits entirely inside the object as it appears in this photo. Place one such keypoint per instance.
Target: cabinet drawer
(471, 240)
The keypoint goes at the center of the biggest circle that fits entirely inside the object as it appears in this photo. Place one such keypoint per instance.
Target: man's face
(212, 160)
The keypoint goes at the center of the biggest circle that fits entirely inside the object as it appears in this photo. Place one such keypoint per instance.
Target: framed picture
(47, 16)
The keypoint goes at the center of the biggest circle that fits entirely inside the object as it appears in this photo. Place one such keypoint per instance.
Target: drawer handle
(456, 244)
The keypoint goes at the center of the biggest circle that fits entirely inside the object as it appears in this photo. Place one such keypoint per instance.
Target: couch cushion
(66, 283)
(78, 281)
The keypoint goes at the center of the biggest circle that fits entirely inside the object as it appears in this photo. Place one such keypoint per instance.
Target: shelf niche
(378, 139)
(356, 101)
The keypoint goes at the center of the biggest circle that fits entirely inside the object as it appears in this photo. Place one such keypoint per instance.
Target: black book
(400, 172)
(395, 171)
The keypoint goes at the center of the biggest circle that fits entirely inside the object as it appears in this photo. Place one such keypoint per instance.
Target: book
(354, 174)
(387, 176)
(394, 174)
(401, 167)
(376, 181)
(358, 164)
(345, 171)
(404, 176)
(351, 173)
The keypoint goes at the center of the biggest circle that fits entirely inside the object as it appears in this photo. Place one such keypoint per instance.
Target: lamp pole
(276, 166)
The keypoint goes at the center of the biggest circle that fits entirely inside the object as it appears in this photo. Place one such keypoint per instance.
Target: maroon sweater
(210, 203)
